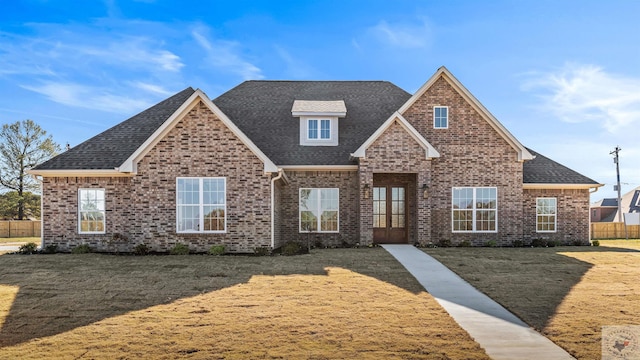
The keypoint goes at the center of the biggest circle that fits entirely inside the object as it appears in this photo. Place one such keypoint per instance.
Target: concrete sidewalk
(499, 332)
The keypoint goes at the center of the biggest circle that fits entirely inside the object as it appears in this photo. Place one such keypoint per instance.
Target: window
(201, 205)
(474, 209)
(319, 210)
(440, 117)
(546, 214)
(91, 211)
(325, 129)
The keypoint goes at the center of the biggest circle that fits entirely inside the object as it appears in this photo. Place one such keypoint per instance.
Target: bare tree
(23, 145)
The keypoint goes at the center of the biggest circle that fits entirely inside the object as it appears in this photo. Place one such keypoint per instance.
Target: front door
(389, 214)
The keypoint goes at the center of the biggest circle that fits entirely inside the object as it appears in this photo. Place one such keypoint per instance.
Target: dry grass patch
(567, 293)
(19, 241)
(347, 303)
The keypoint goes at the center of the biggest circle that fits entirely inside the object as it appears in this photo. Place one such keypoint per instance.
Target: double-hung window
(319, 129)
(319, 210)
(546, 214)
(474, 209)
(440, 117)
(91, 211)
(201, 205)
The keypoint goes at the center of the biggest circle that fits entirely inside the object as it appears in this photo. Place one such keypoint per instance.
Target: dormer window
(319, 121)
(325, 129)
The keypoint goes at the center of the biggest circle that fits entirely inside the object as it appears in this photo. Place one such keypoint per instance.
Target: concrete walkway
(499, 332)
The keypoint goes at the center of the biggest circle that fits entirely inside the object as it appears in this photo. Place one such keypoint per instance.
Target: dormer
(319, 121)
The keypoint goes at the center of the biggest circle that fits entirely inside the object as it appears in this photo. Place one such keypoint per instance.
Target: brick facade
(143, 208)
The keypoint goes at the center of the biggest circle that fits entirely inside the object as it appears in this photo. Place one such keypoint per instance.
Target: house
(606, 210)
(329, 162)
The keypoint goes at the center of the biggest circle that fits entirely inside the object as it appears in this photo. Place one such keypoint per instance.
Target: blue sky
(562, 76)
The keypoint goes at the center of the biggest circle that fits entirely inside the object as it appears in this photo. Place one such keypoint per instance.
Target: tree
(23, 145)
(9, 205)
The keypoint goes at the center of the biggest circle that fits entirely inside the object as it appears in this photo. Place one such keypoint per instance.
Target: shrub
(577, 243)
(50, 249)
(595, 243)
(539, 243)
(141, 249)
(291, 248)
(179, 249)
(28, 248)
(261, 251)
(81, 249)
(518, 243)
(444, 243)
(216, 250)
(491, 243)
(465, 243)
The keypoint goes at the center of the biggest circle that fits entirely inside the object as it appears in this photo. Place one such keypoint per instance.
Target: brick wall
(144, 207)
(573, 215)
(345, 181)
(473, 154)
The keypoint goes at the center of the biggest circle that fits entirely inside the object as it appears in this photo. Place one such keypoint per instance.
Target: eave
(80, 173)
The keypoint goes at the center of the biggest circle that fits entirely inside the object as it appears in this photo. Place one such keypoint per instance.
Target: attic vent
(335, 108)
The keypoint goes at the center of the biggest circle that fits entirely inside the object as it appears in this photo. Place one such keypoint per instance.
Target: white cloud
(94, 98)
(295, 68)
(152, 88)
(586, 93)
(225, 55)
(405, 35)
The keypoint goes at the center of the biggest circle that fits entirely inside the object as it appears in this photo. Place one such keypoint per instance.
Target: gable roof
(262, 110)
(443, 72)
(630, 203)
(429, 151)
(548, 173)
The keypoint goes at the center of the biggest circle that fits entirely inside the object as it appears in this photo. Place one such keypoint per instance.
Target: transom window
(319, 210)
(474, 209)
(323, 133)
(91, 211)
(546, 214)
(201, 205)
(440, 117)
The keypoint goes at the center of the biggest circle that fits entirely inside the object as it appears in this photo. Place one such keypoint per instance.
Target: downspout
(273, 209)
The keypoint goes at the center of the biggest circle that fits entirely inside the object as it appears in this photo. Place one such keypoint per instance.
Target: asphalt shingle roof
(262, 110)
(112, 147)
(543, 170)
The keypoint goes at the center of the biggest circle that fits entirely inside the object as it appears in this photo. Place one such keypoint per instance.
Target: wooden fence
(614, 230)
(24, 228)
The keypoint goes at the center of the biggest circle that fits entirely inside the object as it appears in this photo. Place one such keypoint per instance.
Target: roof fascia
(318, 113)
(530, 186)
(130, 165)
(430, 151)
(523, 153)
(319, 167)
(79, 173)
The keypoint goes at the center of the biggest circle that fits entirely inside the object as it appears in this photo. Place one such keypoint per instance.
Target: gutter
(273, 209)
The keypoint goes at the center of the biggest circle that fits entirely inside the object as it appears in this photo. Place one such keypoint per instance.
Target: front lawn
(567, 293)
(330, 304)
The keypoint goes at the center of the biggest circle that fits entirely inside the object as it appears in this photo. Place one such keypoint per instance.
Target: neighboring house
(330, 162)
(606, 210)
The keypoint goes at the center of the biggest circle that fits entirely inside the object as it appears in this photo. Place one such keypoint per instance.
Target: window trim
(201, 205)
(474, 210)
(555, 215)
(434, 117)
(104, 212)
(319, 220)
(318, 129)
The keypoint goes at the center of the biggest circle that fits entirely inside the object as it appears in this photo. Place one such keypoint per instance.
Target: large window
(546, 214)
(201, 205)
(474, 209)
(91, 211)
(440, 117)
(319, 210)
(324, 133)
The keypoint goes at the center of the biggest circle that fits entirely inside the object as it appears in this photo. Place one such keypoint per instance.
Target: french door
(389, 214)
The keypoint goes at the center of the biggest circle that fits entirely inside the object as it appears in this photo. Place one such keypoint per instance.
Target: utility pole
(615, 160)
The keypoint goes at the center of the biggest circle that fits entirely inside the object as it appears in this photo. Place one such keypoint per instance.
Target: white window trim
(555, 216)
(104, 225)
(201, 205)
(474, 210)
(319, 217)
(434, 117)
(319, 138)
